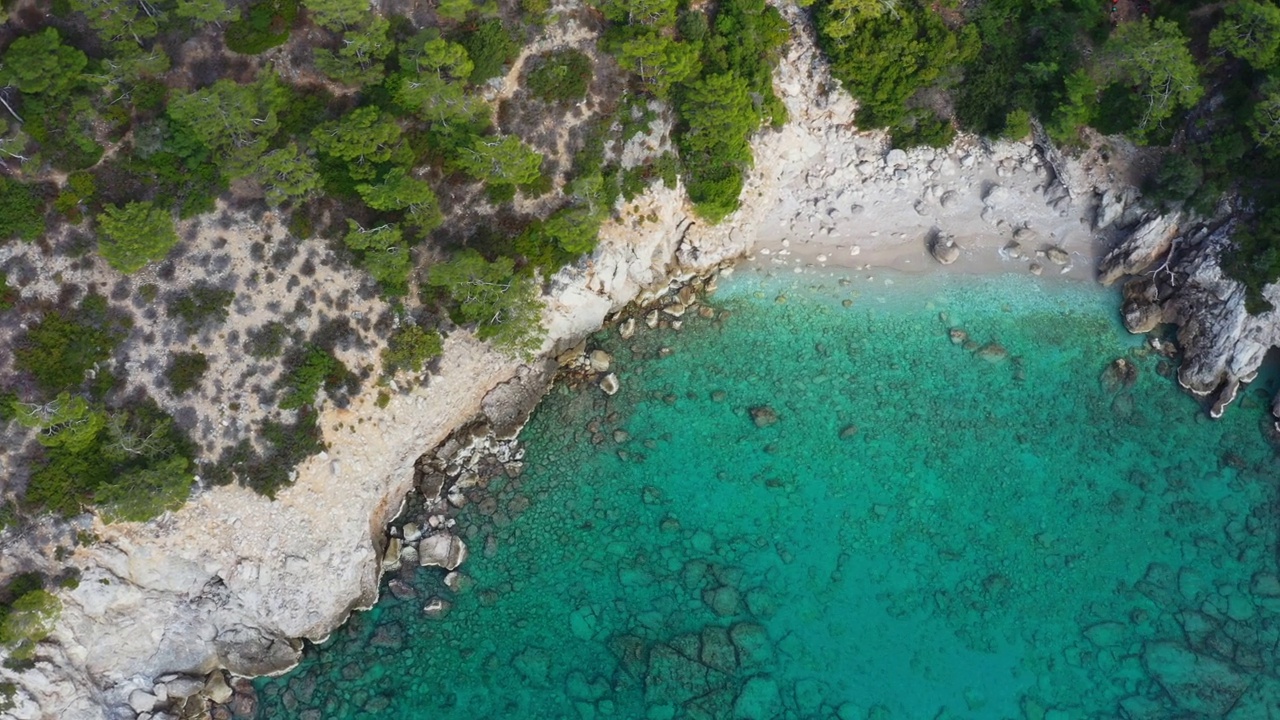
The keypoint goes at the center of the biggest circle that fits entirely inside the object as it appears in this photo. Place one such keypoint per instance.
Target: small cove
(928, 530)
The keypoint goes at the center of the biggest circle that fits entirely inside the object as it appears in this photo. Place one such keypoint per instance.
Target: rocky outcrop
(1150, 242)
(1179, 279)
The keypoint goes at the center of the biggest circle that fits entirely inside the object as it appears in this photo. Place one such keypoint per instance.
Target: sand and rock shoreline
(233, 580)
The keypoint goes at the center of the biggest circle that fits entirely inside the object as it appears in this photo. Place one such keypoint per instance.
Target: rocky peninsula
(233, 581)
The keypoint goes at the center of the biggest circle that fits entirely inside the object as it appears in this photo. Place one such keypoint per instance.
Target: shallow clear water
(927, 531)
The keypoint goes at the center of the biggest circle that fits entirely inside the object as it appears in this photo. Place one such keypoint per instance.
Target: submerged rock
(763, 416)
(992, 352)
(1197, 683)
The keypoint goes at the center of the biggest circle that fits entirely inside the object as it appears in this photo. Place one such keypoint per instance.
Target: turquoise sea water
(930, 529)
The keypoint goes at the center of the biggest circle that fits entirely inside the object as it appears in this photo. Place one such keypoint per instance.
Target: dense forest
(392, 138)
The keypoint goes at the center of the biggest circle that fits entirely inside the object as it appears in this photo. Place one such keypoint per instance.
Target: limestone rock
(600, 361)
(758, 700)
(142, 701)
(217, 689)
(1147, 245)
(442, 550)
(183, 686)
(1265, 584)
(627, 329)
(992, 352)
(1057, 255)
(944, 250)
(609, 384)
(436, 608)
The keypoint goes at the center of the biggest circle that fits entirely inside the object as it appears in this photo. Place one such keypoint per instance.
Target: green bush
(132, 235)
(560, 76)
(1255, 260)
(410, 348)
(263, 25)
(64, 345)
(504, 306)
(186, 370)
(30, 619)
(8, 295)
(490, 46)
(266, 471)
(267, 341)
(201, 305)
(21, 211)
(310, 369)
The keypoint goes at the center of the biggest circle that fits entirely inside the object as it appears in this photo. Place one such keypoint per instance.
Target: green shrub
(560, 76)
(64, 345)
(266, 471)
(134, 234)
(505, 306)
(147, 492)
(267, 341)
(263, 25)
(490, 46)
(30, 619)
(410, 348)
(1255, 260)
(186, 370)
(1178, 178)
(21, 211)
(311, 369)
(8, 295)
(201, 305)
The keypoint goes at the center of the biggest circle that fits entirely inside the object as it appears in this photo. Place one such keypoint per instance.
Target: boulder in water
(442, 550)
(600, 361)
(763, 416)
(609, 384)
(992, 352)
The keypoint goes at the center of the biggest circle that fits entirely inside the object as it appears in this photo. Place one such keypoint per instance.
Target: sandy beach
(879, 212)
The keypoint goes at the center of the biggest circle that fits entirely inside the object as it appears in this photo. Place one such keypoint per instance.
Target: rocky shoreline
(232, 581)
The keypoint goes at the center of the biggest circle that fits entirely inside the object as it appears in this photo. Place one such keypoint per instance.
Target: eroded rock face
(1150, 242)
(1183, 282)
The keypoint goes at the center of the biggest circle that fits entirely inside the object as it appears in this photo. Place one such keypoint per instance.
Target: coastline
(233, 580)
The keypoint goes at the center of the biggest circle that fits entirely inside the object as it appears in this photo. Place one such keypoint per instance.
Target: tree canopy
(500, 160)
(132, 235)
(504, 306)
(40, 63)
(1250, 31)
(234, 121)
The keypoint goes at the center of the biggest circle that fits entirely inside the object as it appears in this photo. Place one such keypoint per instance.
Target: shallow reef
(828, 498)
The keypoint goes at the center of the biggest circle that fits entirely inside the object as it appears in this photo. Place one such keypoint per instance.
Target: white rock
(142, 701)
(609, 384)
(442, 550)
(411, 532)
(627, 329)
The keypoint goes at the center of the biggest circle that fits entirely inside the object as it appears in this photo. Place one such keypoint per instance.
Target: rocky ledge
(1175, 275)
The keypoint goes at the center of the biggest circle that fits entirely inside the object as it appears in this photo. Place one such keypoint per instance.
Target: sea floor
(822, 502)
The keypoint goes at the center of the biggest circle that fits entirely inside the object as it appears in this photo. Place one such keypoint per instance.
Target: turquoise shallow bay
(925, 532)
